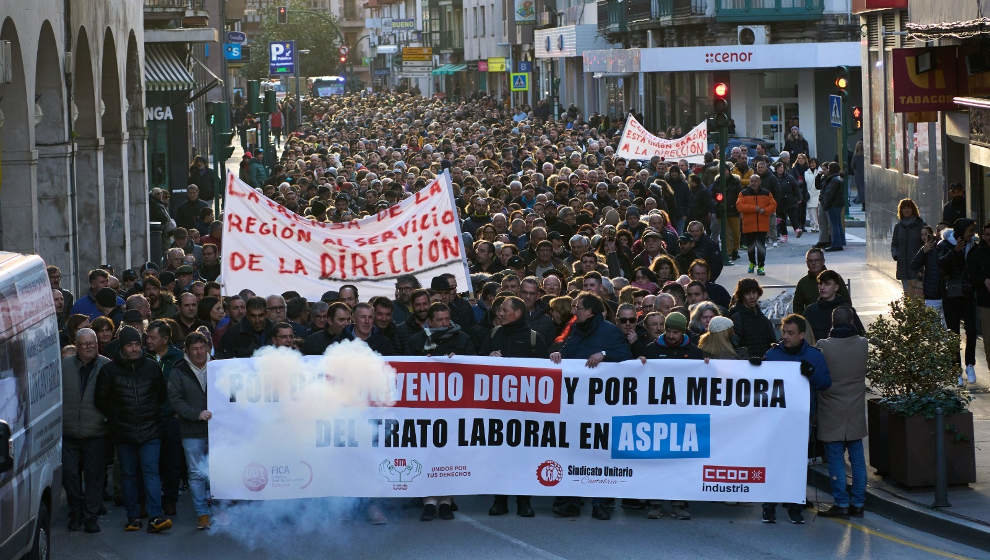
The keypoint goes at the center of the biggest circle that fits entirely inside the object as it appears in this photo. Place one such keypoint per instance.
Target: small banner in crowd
(269, 249)
(638, 143)
(670, 429)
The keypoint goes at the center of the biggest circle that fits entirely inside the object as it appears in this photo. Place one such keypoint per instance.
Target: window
(878, 88)
(474, 11)
(491, 11)
(482, 27)
(894, 122)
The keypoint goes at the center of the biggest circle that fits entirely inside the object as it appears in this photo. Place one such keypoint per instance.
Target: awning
(206, 76)
(164, 71)
(448, 69)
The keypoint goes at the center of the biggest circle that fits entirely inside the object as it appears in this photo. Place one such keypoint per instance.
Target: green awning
(448, 69)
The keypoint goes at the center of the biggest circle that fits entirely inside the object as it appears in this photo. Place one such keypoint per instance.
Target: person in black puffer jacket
(756, 333)
(130, 392)
(957, 289)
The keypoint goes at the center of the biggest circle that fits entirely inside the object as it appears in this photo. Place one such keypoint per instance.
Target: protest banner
(270, 250)
(638, 143)
(670, 429)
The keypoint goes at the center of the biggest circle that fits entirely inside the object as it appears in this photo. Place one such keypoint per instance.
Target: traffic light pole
(723, 182)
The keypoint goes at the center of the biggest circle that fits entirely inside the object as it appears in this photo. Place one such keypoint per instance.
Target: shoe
(453, 504)
(856, 511)
(159, 524)
(798, 233)
(962, 381)
(769, 513)
(74, 523)
(203, 522)
(654, 512)
(971, 374)
(751, 268)
(567, 509)
(92, 526)
(500, 507)
(169, 508)
(524, 508)
(678, 512)
(445, 512)
(835, 511)
(133, 525)
(600, 512)
(429, 513)
(794, 514)
(376, 516)
(832, 249)
(775, 244)
(761, 271)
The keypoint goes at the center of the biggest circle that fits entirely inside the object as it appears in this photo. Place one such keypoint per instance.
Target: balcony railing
(677, 8)
(616, 17)
(174, 5)
(768, 10)
(444, 40)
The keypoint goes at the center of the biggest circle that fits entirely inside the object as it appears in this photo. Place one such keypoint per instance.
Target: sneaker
(159, 524)
(91, 526)
(446, 513)
(962, 381)
(600, 512)
(761, 272)
(751, 268)
(856, 511)
(679, 512)
(133, 525)
(839, 512)
(769, 513)
(971, 374)
(203, 522)
(775, 244)
(429, 513)
(798, 233)
(794, 514)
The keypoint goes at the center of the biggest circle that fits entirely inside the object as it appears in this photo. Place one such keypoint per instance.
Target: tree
(317, 34)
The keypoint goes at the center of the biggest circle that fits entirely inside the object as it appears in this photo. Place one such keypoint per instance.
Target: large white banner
(638, 143)
(670, 429)
(269, 249)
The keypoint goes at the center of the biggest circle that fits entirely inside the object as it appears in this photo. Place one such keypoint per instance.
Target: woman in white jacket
(810, 174)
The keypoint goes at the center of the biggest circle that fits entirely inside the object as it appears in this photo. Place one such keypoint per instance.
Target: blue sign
(236, 37)
(835, 111)
(281, 58)
(525, 66)
(232, 51)
(661, 436)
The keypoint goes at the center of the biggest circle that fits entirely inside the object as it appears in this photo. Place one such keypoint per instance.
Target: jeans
(756, 243)
(83, 474)
(197, 450)
(835, 452)
(143, 456)
(937, 305)
(836, 226)
(962, 310)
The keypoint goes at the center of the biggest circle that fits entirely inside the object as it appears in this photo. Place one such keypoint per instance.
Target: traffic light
(219, 119)
(343, 59)
(841, 78)
(720, 103)
(211, 117)
(857, 115)
(283, 14)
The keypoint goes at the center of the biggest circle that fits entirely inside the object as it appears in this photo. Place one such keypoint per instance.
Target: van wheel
(42, 548)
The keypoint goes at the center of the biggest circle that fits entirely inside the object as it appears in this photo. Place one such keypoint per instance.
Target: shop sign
(496, 64)
(158, 113)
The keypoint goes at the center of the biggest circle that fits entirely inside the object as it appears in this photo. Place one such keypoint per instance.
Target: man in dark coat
(252, 332)
(955, 208)
(420, 300)
(130, 392)
(338, 319)
(364, 328)
(536, 316)
(819, 314)
(440, 336)
(187, 215)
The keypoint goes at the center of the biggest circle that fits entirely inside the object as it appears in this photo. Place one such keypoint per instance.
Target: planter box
(877, 419)
(908, 457)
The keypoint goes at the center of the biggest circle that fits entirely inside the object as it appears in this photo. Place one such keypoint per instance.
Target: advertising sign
(281, 58)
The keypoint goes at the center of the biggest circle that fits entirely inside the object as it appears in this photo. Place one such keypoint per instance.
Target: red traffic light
(721, 89)
(718, 197)
(857, 112)
(343, 58)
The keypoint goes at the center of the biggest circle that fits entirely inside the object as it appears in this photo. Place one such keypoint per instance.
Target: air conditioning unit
(753, 34)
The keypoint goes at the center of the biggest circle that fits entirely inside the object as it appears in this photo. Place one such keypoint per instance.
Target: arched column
(137, 173)
(117, 222)
(90, 213)
(18, 187)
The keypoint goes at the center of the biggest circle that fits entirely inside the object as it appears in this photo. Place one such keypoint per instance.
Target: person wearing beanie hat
(719, 324)
(107, 303)
(130, 392)
(717, 342)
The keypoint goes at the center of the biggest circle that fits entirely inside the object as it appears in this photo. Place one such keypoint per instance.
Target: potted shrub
(912, 366)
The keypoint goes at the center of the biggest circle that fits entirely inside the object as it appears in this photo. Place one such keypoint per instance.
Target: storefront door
(775, 116)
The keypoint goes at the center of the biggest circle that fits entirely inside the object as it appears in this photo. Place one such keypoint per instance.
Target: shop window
(894, 141)
(910, 148)
(878, 87)
(780, 83)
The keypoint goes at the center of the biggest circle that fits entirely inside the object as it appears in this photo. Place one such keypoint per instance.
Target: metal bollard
(941, 474)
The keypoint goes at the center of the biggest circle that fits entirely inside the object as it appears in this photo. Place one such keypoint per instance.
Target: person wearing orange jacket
(756, 205)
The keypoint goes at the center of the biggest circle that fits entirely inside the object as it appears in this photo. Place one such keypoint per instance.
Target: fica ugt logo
(400, 470)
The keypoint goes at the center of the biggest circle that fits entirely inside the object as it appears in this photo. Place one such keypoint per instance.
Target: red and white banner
(667, 429)
(269, 249)
(638, 143)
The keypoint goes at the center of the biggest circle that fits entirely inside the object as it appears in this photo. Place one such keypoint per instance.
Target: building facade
(74, 184)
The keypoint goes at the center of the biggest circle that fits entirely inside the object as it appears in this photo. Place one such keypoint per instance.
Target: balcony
(759, 11)
(617, 17)
(444, 41)
(677, 8)
(192, 13)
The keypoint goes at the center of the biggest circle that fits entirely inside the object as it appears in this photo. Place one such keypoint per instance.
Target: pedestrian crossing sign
(835, 111)
(520, 81)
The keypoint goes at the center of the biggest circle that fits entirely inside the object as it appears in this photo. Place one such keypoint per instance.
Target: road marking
(533, 550)
(897, 540)
(850, 238)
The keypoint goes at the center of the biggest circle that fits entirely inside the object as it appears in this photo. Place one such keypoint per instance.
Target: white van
(30, 408)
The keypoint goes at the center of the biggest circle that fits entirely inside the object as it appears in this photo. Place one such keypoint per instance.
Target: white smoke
(340, 384)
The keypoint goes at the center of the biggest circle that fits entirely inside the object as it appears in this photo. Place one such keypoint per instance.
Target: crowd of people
(574, 253)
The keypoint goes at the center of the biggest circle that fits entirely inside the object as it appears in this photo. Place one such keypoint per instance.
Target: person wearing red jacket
(756, 205)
